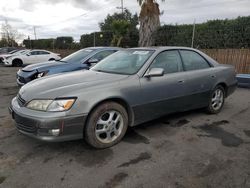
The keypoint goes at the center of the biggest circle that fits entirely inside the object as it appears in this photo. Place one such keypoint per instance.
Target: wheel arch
(120, 101)
(225, 87)
(17, 59)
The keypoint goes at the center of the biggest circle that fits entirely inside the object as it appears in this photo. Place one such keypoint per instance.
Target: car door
(200, 78)
(43, 56)
(31, 57)
(163, 94)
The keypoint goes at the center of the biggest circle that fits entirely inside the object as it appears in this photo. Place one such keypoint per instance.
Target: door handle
(213, 76)
(181, 81)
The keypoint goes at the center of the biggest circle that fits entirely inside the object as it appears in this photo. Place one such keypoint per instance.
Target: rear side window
(43, 53)
(170, 61)
(193, 61)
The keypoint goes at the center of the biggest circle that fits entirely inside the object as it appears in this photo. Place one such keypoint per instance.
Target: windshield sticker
(141, 52)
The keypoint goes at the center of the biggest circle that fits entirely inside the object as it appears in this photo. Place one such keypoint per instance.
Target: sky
(52, 18)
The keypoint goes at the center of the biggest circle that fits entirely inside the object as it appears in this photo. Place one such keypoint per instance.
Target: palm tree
(149, 21)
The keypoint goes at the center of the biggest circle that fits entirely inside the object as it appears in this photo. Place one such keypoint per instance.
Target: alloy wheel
(109, 126)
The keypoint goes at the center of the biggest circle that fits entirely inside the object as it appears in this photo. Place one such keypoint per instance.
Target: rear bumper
(243, 80)
(51, 129)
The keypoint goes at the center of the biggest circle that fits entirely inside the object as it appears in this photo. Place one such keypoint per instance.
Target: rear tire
(17, 63)
(106, 125)
(216, 101)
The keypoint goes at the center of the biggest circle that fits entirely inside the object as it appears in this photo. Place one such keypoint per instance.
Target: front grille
(21, 79)
(20, 100)
(26, 128)
(25, 124)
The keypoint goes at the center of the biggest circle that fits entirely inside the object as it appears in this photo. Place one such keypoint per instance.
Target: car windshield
(124, 62)
(13, 52)
(77, 57)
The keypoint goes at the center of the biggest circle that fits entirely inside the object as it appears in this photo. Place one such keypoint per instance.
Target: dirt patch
(141, 157)
(116, 180)
(135, 138)
(247, 132)
(214, 131)
(214, 166)
(180, 123)
(2, 179)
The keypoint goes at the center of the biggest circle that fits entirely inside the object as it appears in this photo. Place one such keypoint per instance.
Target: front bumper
(42, 127)
(7, 62)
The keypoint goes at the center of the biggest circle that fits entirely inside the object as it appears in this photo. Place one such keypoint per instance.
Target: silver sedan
(126, 89)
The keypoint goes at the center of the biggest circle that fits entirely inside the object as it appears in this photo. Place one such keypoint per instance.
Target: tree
(131, 38)
(63, 42)
(9, 35)
(149, 21)
(120, 29)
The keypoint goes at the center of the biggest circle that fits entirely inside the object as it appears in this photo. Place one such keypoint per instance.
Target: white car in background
(14, 52)
(30, 57)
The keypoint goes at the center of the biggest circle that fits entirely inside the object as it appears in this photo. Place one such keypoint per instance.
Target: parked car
(82, 59)
(125, 89)
(31, 57)
(6, 50)
(14, 52)
(243, 80)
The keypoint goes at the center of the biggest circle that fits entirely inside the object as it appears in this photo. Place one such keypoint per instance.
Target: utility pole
(34, 32)
(192, 45)
(121, 7)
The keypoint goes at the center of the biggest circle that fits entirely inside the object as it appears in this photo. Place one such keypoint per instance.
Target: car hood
(43, 66)
(67, 84)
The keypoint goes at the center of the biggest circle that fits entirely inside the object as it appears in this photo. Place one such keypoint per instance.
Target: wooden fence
(240, 58)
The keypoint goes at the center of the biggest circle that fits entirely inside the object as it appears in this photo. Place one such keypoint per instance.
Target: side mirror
(28, 54)
(155, 72)
(93, 60)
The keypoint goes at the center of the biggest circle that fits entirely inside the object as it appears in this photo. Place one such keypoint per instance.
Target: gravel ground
(189, 149)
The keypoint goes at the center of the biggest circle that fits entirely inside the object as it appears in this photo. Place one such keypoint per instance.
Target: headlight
(57, 105)
(41, 105)
(9, 57)
(41, 74)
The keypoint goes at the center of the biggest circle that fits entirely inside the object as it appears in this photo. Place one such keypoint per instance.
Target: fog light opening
(54, 132)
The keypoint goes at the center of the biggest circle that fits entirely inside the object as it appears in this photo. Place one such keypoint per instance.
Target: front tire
(106, 125)
(216, 100)
(17, 63)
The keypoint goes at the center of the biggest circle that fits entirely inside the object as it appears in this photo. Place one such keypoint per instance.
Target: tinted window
(103, 54)
(193, 61)
(170, 61)
(78, 56)
(34, 53)
(43, 53)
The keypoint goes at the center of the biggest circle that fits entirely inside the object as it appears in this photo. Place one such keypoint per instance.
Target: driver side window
(34, 53)
(170, 61)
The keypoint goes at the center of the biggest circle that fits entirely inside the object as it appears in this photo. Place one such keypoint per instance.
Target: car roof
(103, 48)
(163, 48)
